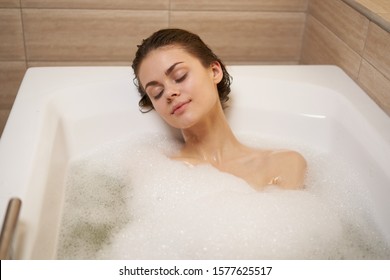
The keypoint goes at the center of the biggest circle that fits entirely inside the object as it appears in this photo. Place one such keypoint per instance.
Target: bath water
(128, 200)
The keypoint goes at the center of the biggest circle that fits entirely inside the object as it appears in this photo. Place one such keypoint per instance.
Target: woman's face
(181, 89)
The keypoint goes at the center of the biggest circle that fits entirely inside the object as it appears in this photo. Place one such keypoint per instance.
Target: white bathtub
(61, 112)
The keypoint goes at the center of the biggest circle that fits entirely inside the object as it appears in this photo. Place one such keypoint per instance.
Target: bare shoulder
(288, 168)
(291, 157)
(187, 160)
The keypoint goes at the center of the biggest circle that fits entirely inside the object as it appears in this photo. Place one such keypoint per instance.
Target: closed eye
(182, 78)
(156, 97)
(179, 80)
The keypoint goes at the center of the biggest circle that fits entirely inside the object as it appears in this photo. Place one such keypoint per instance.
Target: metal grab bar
(9, 227)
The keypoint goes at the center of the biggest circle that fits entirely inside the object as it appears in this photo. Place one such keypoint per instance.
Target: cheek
(162, 110)
(159, 108)
(194, 88)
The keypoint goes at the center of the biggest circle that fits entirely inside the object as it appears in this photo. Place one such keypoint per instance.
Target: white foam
(128, 200)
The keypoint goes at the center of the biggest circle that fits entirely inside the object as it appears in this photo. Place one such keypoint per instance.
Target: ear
(217, 71)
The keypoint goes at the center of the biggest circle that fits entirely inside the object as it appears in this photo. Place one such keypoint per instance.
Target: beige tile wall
(254, 37)
(338, 34)
(106, 32)
(379, 9)
(9, 3)
(242, 5)
(87, 35)
(12, 55)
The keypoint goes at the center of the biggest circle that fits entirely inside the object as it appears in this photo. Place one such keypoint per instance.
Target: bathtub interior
(84, 108)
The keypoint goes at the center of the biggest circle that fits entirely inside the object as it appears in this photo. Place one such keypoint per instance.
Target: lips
(177, 107)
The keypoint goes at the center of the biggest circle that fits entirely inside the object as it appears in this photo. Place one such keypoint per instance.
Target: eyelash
(158, 95)
(181, 79)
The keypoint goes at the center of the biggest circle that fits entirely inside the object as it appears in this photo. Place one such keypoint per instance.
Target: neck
(211, 140)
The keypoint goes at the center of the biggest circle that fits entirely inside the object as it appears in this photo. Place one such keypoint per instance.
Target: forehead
(159, 60)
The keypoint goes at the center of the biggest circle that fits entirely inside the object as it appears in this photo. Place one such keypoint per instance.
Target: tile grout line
(364, 50)
(169, 13)
(23, 34)
(303, 39)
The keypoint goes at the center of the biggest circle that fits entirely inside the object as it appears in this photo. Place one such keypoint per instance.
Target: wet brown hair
(190, 42)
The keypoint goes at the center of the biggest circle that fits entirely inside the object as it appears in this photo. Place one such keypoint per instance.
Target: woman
(187, 84)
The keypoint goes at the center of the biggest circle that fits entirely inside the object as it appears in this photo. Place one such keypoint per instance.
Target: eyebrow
(167, 72)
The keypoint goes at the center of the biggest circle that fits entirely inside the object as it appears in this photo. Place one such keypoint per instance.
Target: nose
(172, 92)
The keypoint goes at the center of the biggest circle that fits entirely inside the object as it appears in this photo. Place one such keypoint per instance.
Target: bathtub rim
(35, 77)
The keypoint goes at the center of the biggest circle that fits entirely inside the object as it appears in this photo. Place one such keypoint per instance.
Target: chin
(184, 125)
(184, 121)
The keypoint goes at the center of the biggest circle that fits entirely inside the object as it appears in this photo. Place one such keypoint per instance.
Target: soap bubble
(129, 200)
